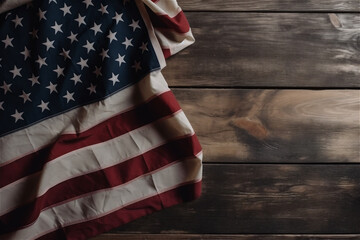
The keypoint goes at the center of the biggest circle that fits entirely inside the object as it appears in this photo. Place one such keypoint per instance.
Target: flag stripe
(105, 178)
(164, 7)
(177, 23)
(173, 42)
(158, 107)
(93, 158)
(171, 27)
(186, 192)
(107, 201)
(166, 52)
(37, 136)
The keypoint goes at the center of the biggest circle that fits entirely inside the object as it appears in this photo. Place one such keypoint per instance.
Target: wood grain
(271, 5)
(224, 237)
(288, 126)
(265, 198)
(269, 50)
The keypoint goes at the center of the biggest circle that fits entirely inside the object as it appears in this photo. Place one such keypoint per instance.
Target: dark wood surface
(272, 90)
(269, 50)
(287, 126)
(271, 5)
(227, 237)
(266, 198)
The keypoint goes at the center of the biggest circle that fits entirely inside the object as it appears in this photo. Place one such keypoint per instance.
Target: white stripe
(104, 202)
(164, 7)
(173, 40)
(28, 140)
(93, 158)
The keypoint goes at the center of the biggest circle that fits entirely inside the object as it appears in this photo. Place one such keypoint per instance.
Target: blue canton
(57, 55)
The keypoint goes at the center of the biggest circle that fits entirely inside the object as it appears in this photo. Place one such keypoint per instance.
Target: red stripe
(158, 107)
(166, 52)
(85, 230)
(179, 23)
(109, 177)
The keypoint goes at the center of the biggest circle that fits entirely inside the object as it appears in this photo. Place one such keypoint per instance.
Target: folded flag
(91, 137)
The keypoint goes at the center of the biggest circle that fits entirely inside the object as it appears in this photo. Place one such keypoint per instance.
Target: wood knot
(335, 21)
(253, 127)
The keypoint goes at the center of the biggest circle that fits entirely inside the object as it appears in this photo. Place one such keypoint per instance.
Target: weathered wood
(237, 125)
(265, 198)
(271, 5)
(224, 237)
(269, 50)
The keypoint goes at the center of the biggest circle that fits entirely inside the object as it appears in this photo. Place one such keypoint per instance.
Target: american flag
(91, 137)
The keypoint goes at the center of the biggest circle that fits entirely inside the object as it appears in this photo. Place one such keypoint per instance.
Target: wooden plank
(239, 125)
(265, 198)
(224, 237)
(269, 50)
(271, 5)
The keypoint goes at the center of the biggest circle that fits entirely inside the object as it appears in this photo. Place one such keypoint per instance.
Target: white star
(16, 72)
(76, 79)
(89, 46)
(26, 53)
(8, 41)
(69, 97)
(52, 87)
(114, 78)
(50, 1)
(66, 9)
(104, 54)
(57, 27)
(17, 21)
(88, 3)
(80, 20)
(96, 28)
(1, 104)
(44, 106)
(49, 44)
(103, 9)
(34, 33)
(83, 63)
(136, 66)
(118, 17)
(25, 96)
(6, 87)
(17, 115)
(135, 25)
(97, 71)
(72, 37)
(144, 47)
(41, 61)
(65, 54)
(120, 59)
(127, 42)
(59, 71)
(34, 80)
(92, 88)
(41, 14)
(112, 36)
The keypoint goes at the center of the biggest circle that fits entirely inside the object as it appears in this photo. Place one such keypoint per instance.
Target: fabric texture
(91, 136)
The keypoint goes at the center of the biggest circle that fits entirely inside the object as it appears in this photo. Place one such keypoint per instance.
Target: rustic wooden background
(272, 89)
